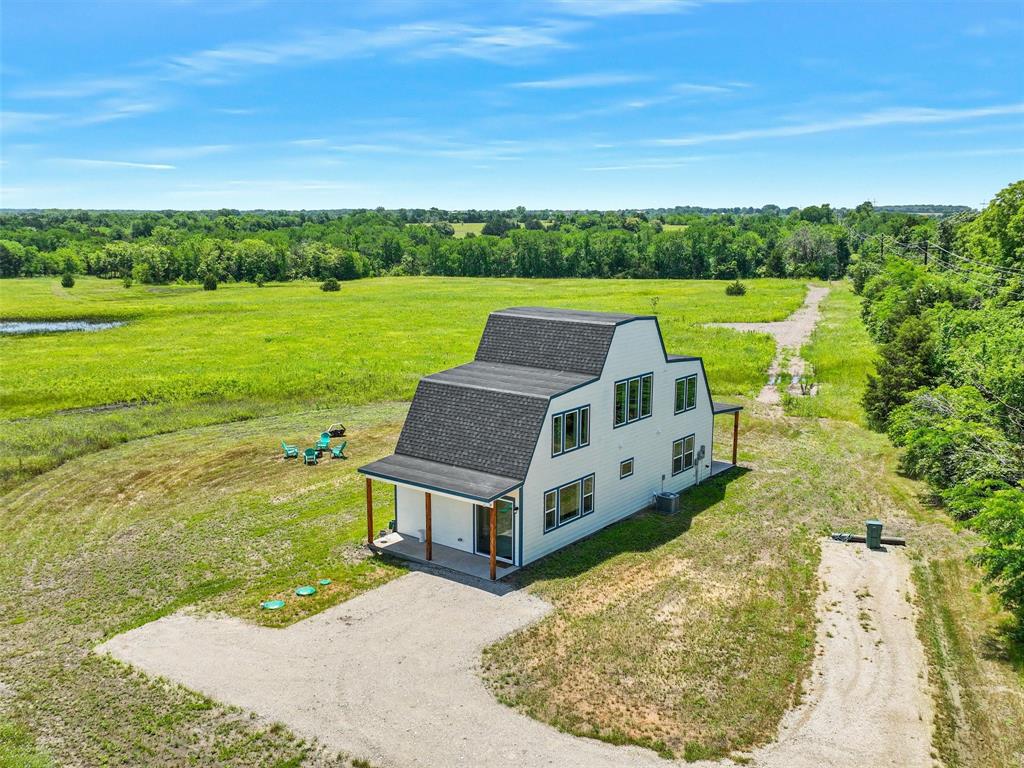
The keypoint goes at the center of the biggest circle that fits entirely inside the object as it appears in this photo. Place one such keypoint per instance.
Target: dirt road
(790, 334)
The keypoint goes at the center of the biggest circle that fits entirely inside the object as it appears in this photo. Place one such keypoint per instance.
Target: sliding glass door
(504, 530)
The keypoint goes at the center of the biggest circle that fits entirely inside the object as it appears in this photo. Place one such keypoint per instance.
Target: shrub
(67, 280)
(210, 282)
(260, 280)
(127, 281)
(735, 288)
(330, 285)
(1001, 523)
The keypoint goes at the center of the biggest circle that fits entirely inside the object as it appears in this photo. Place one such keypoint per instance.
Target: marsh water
(19, 327)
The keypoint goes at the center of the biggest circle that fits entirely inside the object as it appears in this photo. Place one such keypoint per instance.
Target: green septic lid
(304, 591)
(324, 582)
(272, 605)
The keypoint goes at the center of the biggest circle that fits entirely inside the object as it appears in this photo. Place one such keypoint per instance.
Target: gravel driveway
(392, 675)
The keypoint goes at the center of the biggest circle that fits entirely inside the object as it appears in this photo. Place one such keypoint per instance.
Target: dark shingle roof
(517, 379)
(486, 430)
(559, 339)
(442, 477)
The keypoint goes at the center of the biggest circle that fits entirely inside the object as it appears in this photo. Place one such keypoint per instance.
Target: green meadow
(188, 357)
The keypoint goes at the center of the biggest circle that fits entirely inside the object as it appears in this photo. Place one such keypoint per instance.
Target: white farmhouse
(565, 422)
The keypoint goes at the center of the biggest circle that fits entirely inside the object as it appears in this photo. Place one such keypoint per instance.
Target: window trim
(681, 442)
(578, 410)
(558, 501)
(622, 463)
(628, 381)
(691, 386)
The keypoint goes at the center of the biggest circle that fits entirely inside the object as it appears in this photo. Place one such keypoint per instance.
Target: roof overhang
(444, 479)
(726, 408)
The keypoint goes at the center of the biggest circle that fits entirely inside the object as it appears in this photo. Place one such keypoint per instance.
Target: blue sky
(572, 104)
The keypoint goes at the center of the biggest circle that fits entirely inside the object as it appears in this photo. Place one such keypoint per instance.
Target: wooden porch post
(369, 511)
(494, 539)
(430, 549)
(735, 434)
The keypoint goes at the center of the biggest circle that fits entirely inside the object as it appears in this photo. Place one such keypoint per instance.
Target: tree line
(167, 246)
(948, 317)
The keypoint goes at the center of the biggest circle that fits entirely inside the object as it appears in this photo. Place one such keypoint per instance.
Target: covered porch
(448, 516)
(719, 409)
(411, 548)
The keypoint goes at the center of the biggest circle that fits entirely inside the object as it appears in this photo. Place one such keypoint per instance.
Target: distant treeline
(166, 246)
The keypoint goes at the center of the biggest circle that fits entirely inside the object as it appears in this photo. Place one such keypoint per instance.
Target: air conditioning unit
(666, 502)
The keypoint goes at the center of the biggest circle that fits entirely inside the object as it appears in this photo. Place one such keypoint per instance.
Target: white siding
(635, 349)
(451, 520)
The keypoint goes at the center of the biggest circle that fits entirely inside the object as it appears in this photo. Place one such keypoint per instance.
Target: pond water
(17, 327)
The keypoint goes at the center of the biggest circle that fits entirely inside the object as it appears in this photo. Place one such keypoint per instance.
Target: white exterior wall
(636, 349)
(451, 520)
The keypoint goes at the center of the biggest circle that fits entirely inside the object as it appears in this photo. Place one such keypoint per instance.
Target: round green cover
(272, 605)
(324, 582)
(304, 591)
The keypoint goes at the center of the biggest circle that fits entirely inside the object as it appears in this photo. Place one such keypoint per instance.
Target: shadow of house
(642, 532)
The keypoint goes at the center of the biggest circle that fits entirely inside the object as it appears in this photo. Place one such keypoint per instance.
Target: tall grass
(843, 355)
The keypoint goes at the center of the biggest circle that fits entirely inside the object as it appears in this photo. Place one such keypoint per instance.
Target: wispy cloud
(878, 118)
(80, 88)
(655, 164)
(11, 121)
(83, 162)
(592, 80)
(308, 142)
(623, 7)
(188, 152)
(240, 111)
(117, 109)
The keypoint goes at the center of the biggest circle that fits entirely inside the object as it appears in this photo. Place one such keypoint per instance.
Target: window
(682, 454)
(686, 393)
(550, 510)
(568, 502)
(570, 430)
(633, 398)
(620, 403)
(625, 468)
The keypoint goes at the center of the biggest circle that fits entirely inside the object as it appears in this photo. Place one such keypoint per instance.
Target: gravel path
(790, 334)
(392, 675)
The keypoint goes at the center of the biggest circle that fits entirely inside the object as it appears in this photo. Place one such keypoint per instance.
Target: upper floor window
(633, 398)
(570, 430)
(686, 393)
(682, 454)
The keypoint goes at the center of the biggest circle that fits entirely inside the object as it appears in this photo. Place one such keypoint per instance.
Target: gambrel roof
(471, 430)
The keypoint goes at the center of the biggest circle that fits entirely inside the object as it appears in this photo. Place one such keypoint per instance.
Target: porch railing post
(735, 434)
(429, 548)
(369, 511)
(494, 539)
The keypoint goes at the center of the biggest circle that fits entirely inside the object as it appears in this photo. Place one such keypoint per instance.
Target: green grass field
(112, 518)
(463, 228)
(189, 357)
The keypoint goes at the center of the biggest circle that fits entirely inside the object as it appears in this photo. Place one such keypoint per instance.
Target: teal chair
(290, 451)
(324, 442)
(338, 451)
(310, 456)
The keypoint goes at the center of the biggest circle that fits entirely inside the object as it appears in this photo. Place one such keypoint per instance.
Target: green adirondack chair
(324, 442)
(310, 456)
(290, 451)
(338, 451)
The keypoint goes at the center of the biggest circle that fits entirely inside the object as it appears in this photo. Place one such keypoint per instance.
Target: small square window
(625, 468)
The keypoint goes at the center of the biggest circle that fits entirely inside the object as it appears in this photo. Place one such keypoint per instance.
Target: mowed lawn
(188, 357)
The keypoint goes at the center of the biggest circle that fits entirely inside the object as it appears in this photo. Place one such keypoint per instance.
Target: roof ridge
(503, 390)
